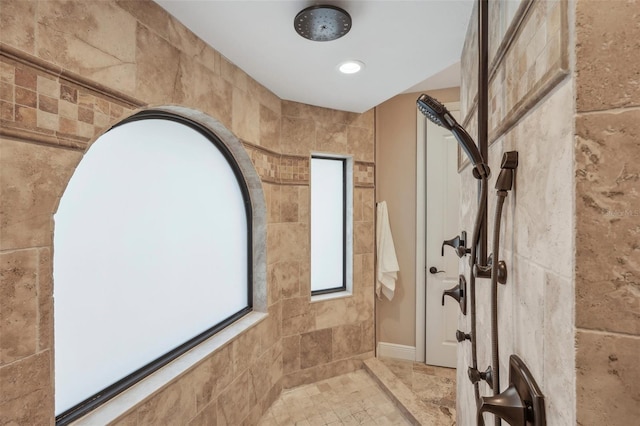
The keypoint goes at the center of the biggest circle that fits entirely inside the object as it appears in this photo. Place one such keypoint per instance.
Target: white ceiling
(406, 46)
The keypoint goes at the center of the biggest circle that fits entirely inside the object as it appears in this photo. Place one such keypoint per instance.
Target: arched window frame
(250, 186)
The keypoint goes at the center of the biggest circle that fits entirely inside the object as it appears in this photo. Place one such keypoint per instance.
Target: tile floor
(356, 399)
(350, 399)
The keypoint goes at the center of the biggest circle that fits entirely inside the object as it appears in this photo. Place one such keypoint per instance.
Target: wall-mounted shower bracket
(459, 244)
(459, 293)
(485, 272)
(521, 404)
(502, 272)
(481, 271)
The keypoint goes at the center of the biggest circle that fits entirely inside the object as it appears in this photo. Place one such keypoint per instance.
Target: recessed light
(350, 67)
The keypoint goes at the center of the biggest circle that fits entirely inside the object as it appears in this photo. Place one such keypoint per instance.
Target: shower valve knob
(508, 406)
(475, 376)
(459, 244)
(521, 404)
(458, 292)
(461, 336)
(454, 292)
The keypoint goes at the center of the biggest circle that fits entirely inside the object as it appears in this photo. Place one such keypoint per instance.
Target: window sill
(331, 296)
(132, 397)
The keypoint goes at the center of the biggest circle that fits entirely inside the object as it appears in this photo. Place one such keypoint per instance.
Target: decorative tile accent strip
(277, 168)
(364, 175)
(265, 161)
(294, 170)
(45, 104)
(539, 53)
(55, 71)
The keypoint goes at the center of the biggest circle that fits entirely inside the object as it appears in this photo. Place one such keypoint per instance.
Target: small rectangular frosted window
(328, 224)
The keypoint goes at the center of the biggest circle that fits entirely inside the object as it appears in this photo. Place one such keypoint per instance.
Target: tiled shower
(67, 73)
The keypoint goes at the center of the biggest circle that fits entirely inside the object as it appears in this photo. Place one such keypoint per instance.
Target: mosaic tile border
(531, 90)
(294, 169)
(509, 37)
(287, 169)
(265, 161)
(44, 104)
(364, 174)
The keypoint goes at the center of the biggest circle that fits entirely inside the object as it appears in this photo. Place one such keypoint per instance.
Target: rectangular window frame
(346, 289)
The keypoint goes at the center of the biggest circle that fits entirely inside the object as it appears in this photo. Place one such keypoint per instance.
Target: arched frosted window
(152, 255)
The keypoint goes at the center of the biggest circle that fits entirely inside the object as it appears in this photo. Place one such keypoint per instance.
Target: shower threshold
(424, 394)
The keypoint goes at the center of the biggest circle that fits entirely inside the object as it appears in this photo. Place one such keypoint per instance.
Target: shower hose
(495, 369)
(495, 354)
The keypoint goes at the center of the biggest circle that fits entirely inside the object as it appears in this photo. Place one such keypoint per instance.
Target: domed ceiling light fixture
(322, 23)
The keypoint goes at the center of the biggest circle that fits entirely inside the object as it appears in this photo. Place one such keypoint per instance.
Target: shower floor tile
(435, 386)
(350, 399)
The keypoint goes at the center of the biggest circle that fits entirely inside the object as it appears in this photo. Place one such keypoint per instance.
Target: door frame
(421, 232)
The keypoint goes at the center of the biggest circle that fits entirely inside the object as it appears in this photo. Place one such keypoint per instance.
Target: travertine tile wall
(530, 110)
(69, 70)
(323, 338)
(571, 307)
(607, 153)
(526, 60)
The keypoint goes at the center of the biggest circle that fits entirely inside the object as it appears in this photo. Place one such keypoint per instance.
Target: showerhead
(433, 110)
(438, 114)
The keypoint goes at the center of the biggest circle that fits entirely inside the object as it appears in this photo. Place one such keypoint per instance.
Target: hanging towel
(387, 272)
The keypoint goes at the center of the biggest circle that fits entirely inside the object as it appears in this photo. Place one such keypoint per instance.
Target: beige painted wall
(396, 184)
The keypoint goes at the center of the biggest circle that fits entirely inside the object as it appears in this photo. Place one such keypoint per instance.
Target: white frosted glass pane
(327, 223)
(150, 249)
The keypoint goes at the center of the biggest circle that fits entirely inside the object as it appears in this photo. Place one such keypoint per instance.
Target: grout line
(609, 333)
(614, 110)
(19, 249)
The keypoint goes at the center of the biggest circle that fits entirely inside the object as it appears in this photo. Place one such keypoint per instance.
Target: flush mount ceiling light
(351, 67)
(322, 23)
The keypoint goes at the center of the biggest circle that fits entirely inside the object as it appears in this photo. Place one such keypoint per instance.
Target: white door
(442, 223)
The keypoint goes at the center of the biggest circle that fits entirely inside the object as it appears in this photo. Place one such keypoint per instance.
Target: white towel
(387, 272)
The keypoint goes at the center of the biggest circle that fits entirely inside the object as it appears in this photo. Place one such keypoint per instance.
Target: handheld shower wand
(438, 114)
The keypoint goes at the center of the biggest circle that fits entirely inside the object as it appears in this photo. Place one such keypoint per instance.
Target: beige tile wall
(607, 153)
(581, 298)
(529, 56)
(321, 339)
(69, 70)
